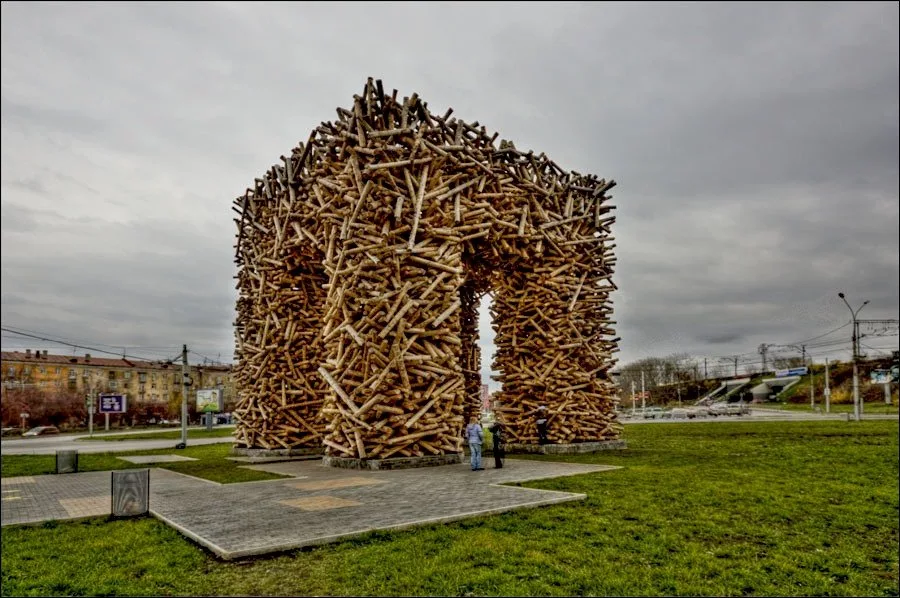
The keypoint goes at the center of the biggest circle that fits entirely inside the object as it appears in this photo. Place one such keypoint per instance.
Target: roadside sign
(208, 400)
(112, 403)
(792, 372)
(880, 376)
(25, 415)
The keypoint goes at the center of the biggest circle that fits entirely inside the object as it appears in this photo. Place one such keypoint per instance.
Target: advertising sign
(112, 404)
(208, 400)
(791, 372)
(880, 376)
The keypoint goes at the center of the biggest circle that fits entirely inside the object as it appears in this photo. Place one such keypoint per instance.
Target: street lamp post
(857, 408)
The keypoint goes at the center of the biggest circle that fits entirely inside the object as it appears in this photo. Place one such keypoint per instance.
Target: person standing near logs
(542, 424)
(475, 436)
(498, 444)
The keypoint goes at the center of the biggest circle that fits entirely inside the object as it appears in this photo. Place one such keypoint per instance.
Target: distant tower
(485, 398)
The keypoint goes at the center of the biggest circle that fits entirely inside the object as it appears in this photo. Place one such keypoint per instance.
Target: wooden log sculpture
(361, 260)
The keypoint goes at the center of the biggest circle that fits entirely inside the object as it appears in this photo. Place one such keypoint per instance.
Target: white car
(654, 413)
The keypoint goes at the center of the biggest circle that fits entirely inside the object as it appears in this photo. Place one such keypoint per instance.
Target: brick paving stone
(156, 459)
(238, 520)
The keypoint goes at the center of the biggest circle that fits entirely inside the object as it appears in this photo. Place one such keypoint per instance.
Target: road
(759, 415)
(48, 445)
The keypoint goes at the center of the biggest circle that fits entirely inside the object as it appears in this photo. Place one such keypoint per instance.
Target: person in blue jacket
(475, 436)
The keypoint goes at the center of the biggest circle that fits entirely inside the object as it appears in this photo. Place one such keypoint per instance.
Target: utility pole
(735, 367)
(91, 412)
(762, 351)
(643, 397)
(812, 384)
(633, 401)
(857, 407)
(705, 372)
(185, 383)
(827, 391)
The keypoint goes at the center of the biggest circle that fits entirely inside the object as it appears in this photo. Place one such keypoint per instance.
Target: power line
(76, 346)
(81, 342)
(822, 335)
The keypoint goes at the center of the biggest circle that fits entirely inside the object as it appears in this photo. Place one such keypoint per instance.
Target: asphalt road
(758, 415)
(48, 445)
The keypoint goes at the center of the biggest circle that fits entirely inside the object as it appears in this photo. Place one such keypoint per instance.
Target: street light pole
(857, 408)
(185, 383)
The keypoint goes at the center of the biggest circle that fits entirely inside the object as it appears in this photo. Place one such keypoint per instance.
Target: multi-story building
(154, 384)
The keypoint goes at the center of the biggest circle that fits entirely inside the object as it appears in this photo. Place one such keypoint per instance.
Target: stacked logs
(361, 263)
(278, 317)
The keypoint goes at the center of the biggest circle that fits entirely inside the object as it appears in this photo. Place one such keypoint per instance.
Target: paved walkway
(48, 445)
(316, 505)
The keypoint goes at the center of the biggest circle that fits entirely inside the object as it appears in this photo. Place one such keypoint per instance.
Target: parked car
(11, 431)
(717, 409)
(42, 431)
(682, 413)
(654, 413)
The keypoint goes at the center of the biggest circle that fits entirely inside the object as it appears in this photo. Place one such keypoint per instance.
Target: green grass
(212, 463)
(868, 408)
(722, 509)
(170, 434)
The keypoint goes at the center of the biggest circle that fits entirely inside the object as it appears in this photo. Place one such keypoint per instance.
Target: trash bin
(66, 461)
(130, 492)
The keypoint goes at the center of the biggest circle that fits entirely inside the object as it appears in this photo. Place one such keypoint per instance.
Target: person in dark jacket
(542, 424)
(499, 444)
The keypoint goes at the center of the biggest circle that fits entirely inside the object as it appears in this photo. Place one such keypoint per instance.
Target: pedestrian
(499, 445)
(475, 436)
(542, 424)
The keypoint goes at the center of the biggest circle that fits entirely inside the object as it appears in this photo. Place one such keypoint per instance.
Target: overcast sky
(755, 148)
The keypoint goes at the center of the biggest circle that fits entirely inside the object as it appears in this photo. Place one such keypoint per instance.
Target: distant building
(485, 398)
(144, 383)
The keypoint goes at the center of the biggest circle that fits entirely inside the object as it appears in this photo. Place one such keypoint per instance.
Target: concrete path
(316, 505)
(50, 444)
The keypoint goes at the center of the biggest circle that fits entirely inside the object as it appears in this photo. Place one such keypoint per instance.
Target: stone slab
(142, 459)
(393, 463)
(241, 451)
(331, 504)
(273, 459)
(567, 449)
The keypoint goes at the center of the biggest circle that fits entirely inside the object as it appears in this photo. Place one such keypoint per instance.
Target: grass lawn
(868, 408)
(721, 509)
(169, 434)
(212, 463)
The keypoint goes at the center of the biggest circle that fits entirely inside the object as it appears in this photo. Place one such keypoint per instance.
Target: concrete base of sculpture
(394, 463)
(243, 451)
(566, 449)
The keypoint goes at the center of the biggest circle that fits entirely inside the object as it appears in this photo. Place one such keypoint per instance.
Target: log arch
(361, 260)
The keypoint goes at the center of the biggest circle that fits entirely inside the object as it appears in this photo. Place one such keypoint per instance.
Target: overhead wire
(48, 338)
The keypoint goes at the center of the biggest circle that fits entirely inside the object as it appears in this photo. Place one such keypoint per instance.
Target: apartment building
(142, 382)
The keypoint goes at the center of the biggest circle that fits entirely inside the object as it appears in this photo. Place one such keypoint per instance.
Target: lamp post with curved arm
(857, 407)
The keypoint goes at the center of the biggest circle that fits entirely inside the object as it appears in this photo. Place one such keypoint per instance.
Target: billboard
(111, 404)
(880, 376)
(792, 372)
(209, 400)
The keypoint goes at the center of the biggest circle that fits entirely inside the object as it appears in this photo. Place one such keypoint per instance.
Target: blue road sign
(112, 404)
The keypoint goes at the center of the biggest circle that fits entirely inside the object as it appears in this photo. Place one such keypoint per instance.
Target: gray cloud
(755, 146)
